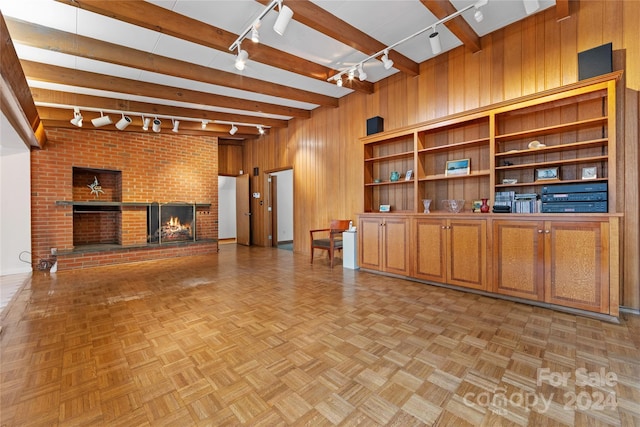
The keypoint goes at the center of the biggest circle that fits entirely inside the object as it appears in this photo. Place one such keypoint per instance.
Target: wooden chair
(329, 239)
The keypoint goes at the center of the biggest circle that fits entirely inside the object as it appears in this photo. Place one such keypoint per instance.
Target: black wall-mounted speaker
(595, 62)
(256, 171)
(375, 125)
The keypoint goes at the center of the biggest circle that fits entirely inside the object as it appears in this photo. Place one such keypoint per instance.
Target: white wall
(226, 207)
(285, 205)
(15, 201)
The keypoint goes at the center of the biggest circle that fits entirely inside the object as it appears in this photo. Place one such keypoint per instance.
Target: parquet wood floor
(259, 336)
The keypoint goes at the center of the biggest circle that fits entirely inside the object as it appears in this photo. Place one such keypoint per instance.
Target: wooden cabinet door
(396, 245)
(467, 250)
(430, 250)
(370, 243)
(577, 264)
(518, 258)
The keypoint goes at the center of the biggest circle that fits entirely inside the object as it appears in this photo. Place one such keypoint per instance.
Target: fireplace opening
(171, 222)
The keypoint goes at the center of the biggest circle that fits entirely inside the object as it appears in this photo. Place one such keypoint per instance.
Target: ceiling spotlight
(434, 39)
(388, 63)
(146, 121)
(339, 81)
(255, 35)
(260, 129)
(531, 6)
(284, 17)
(478, 15)
(156, 125)
(204, 124)
(241, 59)
(176, 124)
(101, 121)
(233, 129)
(123, 122)
(351, 74)
(77, 118)
(361, 74)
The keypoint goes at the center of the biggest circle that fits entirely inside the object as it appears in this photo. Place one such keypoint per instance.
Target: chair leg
(311, 254)
(331, 256)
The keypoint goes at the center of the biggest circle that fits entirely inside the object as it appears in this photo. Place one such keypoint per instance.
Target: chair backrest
(339, 224)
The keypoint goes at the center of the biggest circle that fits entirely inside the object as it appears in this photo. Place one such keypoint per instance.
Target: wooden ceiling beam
(15, 96)
(67, 76)
(41, 37)
(458, 26)
(562, 10)
(89, 101)
(156, 18)
(313, 16)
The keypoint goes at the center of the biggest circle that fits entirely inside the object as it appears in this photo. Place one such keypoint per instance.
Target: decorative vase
(426, 203)
(394, 176)
(484, 208)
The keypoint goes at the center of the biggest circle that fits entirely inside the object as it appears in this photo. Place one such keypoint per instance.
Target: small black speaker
(595, 62)
(375, 125)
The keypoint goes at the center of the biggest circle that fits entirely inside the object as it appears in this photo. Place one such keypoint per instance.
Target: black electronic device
(575, 197)
(574, 207)
(586, 187)
(375, 125)
(595, 62)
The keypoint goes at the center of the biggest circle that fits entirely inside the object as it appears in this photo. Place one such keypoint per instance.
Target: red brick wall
(154, 168)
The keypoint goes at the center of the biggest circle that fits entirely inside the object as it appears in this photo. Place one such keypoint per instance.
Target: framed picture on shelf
(590, 173)
(408, 176)
(547, 174)
(385, 208)
(457, 167)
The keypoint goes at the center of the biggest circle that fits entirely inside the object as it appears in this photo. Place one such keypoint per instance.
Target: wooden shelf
(454, 146)
(390, 157)
(552, 129)
(439, 177)
(572, 146)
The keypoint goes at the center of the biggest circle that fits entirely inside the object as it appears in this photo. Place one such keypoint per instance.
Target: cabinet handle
(540, 231)
(547, 231)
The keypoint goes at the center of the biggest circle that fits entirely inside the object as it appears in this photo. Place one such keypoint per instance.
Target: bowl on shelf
(452, 205)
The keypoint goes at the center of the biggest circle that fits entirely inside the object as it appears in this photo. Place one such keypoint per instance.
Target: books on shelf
(519, 203)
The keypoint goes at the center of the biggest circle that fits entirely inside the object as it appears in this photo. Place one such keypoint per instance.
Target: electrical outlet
(54, 251)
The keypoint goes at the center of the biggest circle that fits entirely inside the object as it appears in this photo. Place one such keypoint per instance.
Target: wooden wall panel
(529, 56)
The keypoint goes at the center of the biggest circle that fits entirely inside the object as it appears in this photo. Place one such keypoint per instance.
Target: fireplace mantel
(101, 203)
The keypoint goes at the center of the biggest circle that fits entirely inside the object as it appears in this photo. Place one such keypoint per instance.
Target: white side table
(349, 250)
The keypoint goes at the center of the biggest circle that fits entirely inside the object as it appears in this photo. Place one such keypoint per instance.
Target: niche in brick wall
(99, 220)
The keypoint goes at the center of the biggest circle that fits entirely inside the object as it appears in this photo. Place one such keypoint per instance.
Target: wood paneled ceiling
(170, 58)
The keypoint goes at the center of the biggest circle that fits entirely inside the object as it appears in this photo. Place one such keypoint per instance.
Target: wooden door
(467, 250)
(518, 258)
(243, 211)
(273, 209)
(396, 245)
(370, 243)
(577, 264)
(430, 250)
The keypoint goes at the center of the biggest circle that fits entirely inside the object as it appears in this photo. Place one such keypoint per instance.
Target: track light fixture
(156, 125)
(255, 35)
(204, 124)
(388, 63)
(284, 17)
(434, 40)
(351, 74)
(233, 129)
(361, 74)
(176, 125)
(123, 122)
(146, 121)
(260, 129)
(101, 121)
(77, 117)
(241, 59)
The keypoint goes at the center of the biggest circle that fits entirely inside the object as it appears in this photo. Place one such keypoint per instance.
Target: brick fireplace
(134, 171)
